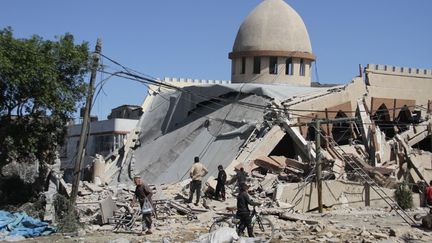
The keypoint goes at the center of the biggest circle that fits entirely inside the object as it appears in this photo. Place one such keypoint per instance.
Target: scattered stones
(81, 233)
(339, 225)
(317, 228)
(379, 236)
(333, 240)
(119, 240)
(364, 233)
(393, 232)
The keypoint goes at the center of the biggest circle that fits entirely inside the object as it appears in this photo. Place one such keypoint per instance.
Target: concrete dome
(273, 27)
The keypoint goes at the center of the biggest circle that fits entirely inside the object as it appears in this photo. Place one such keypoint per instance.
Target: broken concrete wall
(335, 194)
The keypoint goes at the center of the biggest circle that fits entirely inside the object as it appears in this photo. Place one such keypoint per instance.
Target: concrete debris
(379, 236)
(283, 179)
(268, 182)
(119, 240)
(92, 187)
(297, 217)
(107, 208)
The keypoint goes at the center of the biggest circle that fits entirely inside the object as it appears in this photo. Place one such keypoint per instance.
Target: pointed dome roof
(273, 26)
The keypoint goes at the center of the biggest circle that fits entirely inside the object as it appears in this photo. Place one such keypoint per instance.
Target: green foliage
(41, 84)
(403, 195)
(41, 76)
(66, 216)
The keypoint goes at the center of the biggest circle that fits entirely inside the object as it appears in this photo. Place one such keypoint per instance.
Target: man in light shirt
(197, 172)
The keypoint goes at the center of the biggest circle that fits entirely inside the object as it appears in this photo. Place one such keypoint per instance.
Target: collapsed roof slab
(212, 122)
(262, 146)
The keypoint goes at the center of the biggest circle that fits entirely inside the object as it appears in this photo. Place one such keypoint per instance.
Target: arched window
(403, 119)
(341, 131)
(383, 121)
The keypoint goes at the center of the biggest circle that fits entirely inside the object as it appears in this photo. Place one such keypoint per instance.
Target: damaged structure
(366, 136)
(264, 119)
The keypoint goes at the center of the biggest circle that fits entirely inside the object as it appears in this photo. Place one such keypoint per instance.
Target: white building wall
(113, 128)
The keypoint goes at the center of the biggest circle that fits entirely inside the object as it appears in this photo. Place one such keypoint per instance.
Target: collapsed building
(377, 127)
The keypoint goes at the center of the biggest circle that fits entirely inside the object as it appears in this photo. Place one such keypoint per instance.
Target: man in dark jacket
(220, 186)
(243, 212)
(143, 193)
(241, 176)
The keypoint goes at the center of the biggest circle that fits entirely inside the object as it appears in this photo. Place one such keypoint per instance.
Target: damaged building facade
(105, 139)
(264, 120)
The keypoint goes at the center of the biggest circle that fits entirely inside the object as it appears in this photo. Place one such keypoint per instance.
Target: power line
(158, 83)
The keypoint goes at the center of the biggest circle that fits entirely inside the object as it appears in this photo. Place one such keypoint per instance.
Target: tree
(41, 85)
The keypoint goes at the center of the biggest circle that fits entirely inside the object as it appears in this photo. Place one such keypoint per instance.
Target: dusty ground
(341, 225)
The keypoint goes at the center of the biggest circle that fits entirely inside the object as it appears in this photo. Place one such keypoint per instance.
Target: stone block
(272, 164)
(107, 208)
(268, 182)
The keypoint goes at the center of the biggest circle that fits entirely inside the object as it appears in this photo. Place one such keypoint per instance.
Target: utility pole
(86, 121)
(318, 163)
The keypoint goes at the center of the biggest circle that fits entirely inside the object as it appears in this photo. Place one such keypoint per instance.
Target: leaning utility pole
(318, 163)
(86, 121)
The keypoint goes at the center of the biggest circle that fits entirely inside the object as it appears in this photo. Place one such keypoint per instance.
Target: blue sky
(192, 38)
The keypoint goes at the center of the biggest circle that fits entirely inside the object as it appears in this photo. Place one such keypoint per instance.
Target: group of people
(197, 172)
(143, 194)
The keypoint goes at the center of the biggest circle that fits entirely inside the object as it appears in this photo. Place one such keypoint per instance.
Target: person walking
(220, 186)
(241, 176)
(197, 172)
(143, 194)
(243, 212)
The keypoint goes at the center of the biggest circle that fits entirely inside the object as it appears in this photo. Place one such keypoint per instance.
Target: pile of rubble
(359, 175)
(176, 220)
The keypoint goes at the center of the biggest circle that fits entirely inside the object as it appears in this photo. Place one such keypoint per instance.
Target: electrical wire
(165, 85)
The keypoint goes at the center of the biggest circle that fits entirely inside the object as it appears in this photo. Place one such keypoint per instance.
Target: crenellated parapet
(395, 70)
(194, 81)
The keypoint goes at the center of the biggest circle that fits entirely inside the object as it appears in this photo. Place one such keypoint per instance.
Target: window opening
(382, 120)
(289, 66)
(302, 68)
(273, 65)
(257, 65)
(342, 131)
(243, 67)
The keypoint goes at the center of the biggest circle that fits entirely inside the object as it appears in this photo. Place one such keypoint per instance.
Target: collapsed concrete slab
(335, 194)
(272, 164)
(107, 208)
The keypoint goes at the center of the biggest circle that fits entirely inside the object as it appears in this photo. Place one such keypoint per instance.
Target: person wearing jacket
(220, 186)
(243, 211)
(143, 193)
